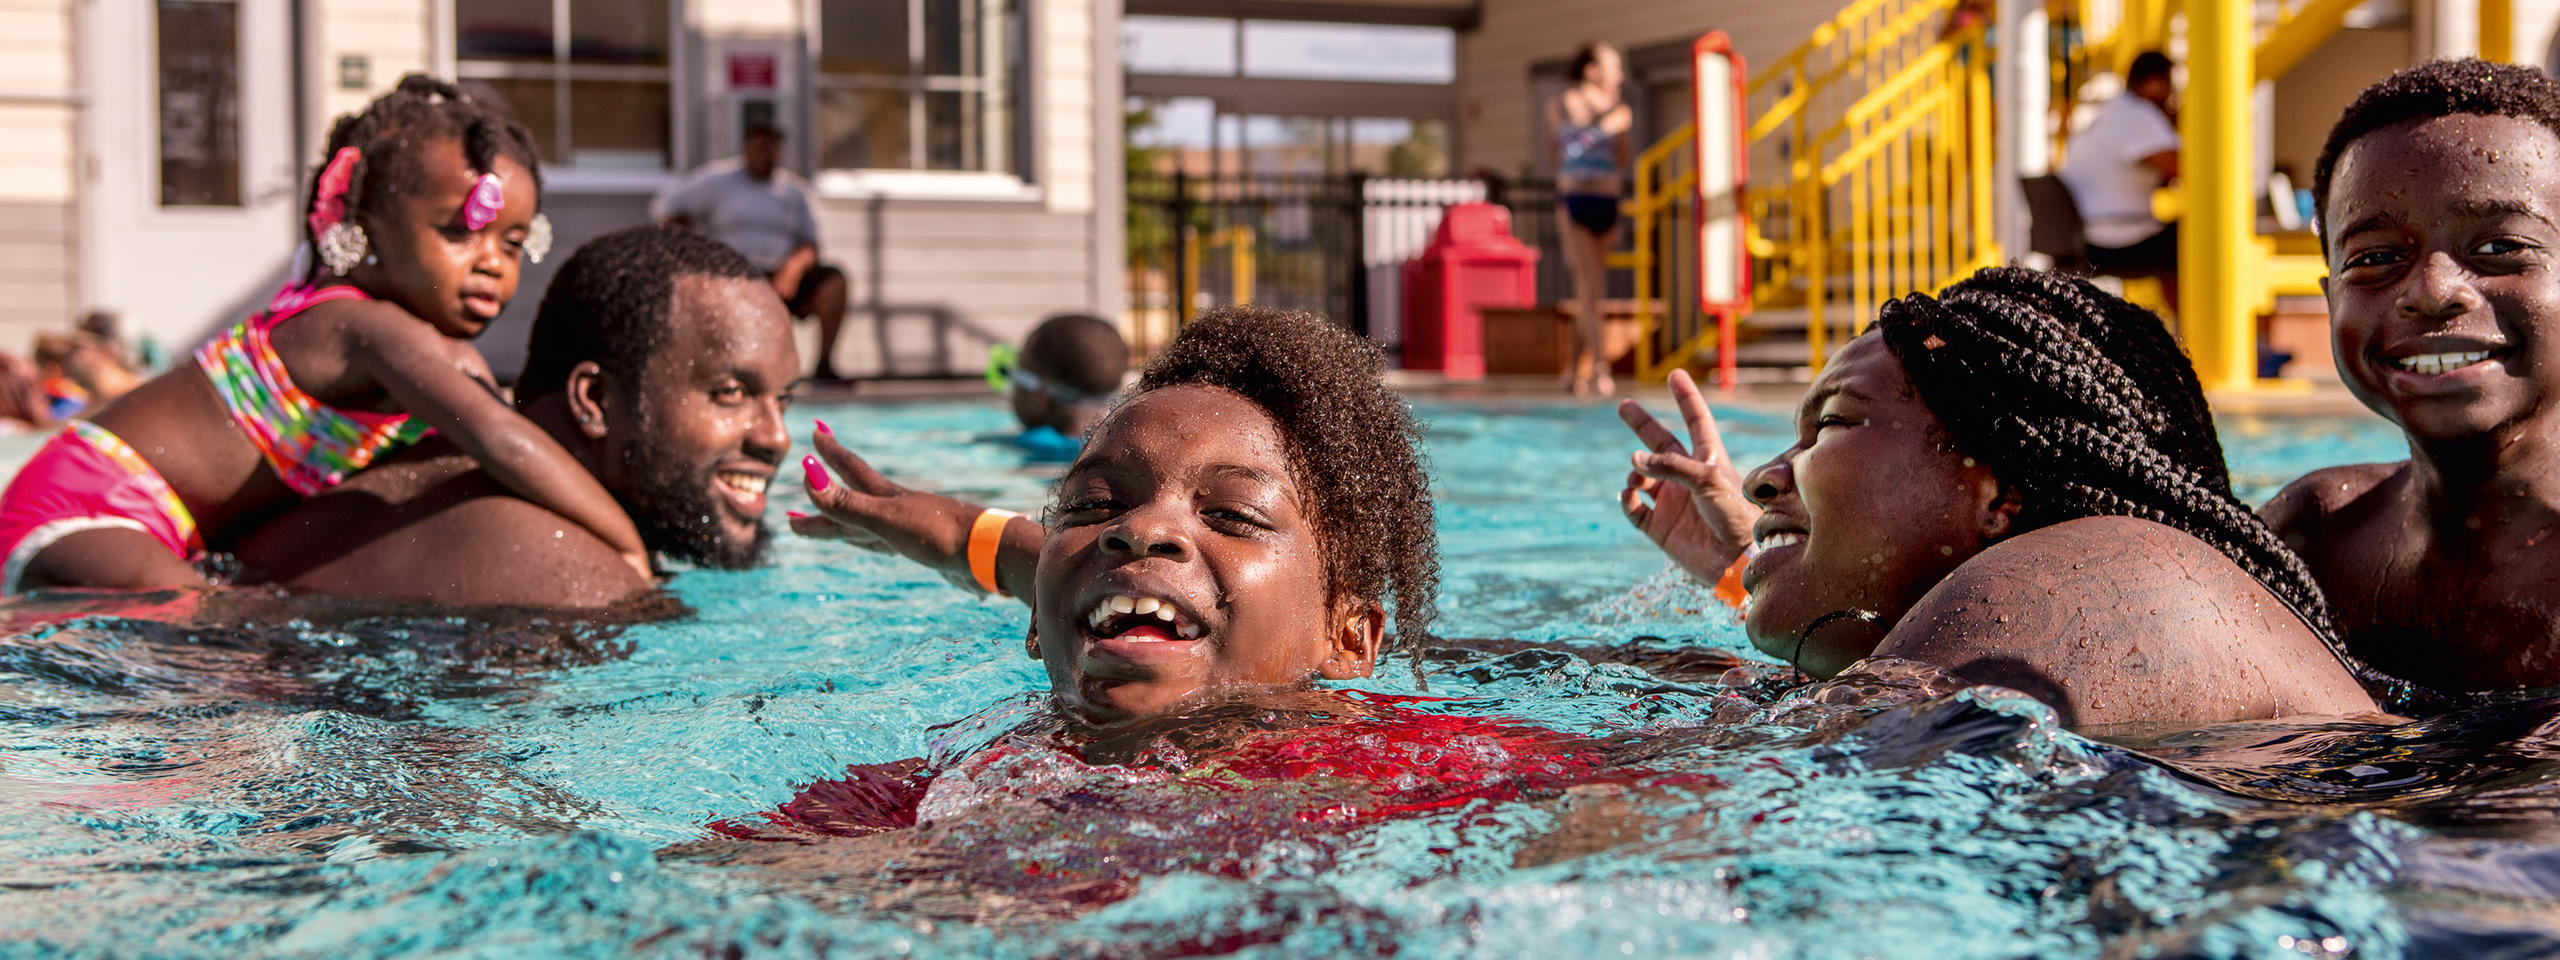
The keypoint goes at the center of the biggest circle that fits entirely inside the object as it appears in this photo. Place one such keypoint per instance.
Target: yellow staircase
(1870, 157)
(1871, 166)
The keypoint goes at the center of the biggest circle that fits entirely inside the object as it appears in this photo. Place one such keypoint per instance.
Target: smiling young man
(663, 362)
(2439, 195)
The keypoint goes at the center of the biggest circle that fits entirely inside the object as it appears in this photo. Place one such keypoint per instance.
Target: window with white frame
(919, 85)
(589, 78)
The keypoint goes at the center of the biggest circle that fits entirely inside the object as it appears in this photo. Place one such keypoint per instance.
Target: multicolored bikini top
(311, 445)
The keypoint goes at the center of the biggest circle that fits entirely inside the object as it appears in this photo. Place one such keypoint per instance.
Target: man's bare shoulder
(2306, 508)
(438, 529)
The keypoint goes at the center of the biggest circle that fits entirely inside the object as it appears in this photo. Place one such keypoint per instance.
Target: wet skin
(1883, 507)
(702, 431)
(1908, 550)
(1184, 496)
(427, 266)
(2443, 568)
(431, 526)
(429, 262)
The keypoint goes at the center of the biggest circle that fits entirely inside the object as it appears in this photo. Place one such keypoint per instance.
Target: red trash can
(1473, 263)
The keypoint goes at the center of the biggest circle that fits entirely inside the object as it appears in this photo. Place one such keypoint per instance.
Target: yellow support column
(2215, 258)
(2498, 31)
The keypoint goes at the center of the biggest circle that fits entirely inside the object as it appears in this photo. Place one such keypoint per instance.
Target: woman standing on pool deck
(1590, 124)
(2018, 482)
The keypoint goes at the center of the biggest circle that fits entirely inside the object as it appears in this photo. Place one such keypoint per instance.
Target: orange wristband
(1729, 587)
(986, 534)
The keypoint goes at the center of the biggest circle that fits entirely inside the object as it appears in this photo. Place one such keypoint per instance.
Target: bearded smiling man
(663, 361)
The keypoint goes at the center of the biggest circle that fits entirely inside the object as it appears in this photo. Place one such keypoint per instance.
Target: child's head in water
(412, 174)
(1067, 371)
(2439, 202)
(1241, 520)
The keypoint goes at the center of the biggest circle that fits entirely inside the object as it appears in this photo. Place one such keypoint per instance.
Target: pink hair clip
(329, 194)
(487, 198)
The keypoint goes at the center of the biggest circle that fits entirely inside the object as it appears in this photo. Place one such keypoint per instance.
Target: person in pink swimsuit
(421, 217)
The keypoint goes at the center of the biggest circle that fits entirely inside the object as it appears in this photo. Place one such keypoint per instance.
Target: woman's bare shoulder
(2117, 619)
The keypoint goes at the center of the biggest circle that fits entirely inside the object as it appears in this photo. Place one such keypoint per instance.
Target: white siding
(747, 16)
(394, 35)
(37, 117)
(39, 157)
(1063, 94)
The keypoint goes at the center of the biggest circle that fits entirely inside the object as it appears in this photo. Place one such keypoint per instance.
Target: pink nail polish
(817, 474)
(797, 515)
(823, 429)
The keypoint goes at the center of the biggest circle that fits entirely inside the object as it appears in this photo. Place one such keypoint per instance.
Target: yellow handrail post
(1240, 256)
(2215, 225)
(2498, 31)
(2307, 28)
(1190, 292)
(1644, 244)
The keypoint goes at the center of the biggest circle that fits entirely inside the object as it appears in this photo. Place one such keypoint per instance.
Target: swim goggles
(1005, 372)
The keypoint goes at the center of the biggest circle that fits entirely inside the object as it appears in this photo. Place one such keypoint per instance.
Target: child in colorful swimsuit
(1228, 536)
(420, 217)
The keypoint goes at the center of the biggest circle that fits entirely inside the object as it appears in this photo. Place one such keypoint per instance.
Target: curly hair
(395, 127)
(2438, 88)
(612, 301)
(2085, 404)
(1353, 445)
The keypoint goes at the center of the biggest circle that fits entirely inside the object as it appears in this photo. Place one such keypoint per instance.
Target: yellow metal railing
(1870, 151)
(1238, 240)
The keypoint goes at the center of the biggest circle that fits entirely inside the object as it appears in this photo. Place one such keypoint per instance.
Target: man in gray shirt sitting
(764, 211)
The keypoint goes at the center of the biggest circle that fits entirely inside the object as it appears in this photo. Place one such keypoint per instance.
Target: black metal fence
(1330, 245)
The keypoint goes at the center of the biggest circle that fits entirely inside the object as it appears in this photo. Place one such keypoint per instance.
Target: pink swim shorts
(85, 479)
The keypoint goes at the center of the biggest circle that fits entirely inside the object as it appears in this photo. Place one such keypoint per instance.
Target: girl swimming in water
(420, 218)
(1230, 535)
(2017, 481)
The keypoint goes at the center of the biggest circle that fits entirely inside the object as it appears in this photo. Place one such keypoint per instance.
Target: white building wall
(39, 117)
(2537, 33)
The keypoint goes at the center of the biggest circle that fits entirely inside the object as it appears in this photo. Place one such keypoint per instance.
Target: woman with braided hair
(2017, 481)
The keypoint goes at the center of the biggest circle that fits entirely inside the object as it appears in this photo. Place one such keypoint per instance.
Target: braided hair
(393, 130)
(2085, 404)
(1353, 446)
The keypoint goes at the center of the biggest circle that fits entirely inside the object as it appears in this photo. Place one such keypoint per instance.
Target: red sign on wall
(752, 69)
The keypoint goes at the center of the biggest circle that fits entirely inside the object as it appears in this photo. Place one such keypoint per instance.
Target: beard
(679, 516)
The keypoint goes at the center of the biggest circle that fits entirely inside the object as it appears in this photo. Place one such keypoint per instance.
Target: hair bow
(487, 198)
(329, 195)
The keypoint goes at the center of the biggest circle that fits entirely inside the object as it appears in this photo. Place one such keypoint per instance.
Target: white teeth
(1118, 604)
(1782, 539)
(2435, 363)
(746, 483)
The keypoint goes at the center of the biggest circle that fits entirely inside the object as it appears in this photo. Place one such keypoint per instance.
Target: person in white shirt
(2129, 150)
(764, 212)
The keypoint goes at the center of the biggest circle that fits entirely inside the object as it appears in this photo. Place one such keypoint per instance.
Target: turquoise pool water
(261, 776)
